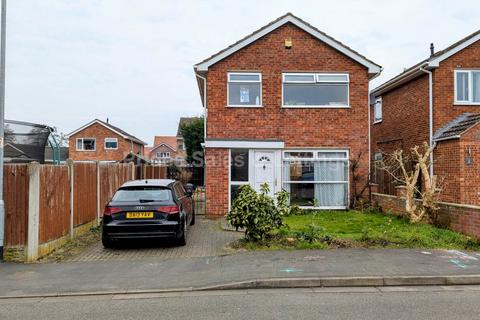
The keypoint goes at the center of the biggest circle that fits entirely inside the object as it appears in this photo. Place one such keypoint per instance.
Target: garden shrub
(257, 212)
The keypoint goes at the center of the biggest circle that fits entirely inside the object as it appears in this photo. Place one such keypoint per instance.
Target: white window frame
(83, 150)
(378, 102)
(244, 81)
(110, 140)
(469, 73)
(315, 159)
(316, 76)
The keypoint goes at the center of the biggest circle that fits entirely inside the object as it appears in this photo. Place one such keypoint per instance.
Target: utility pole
(2, 120)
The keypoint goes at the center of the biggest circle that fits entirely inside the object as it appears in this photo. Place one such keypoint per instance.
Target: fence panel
(15, 186)
(155, 172)
(54, 202)
(112, 176)
(85, 192)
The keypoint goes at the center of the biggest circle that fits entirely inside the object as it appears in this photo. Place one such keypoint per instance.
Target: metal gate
(199, 200)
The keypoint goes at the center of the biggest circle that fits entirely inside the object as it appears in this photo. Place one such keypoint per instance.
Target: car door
(185, 201)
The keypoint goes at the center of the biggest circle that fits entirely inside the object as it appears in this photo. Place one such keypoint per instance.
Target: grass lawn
(356, 229)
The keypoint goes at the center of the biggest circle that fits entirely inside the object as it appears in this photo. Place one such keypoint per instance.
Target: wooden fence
(46, 205)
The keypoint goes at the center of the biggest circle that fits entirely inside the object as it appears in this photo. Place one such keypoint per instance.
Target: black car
(148, 209)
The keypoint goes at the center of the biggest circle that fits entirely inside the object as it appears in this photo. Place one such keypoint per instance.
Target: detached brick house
(101, 141)
(287, 106)
(164, 149)
(437, 101)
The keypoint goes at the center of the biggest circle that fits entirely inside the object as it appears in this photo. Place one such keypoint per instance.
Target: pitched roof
(373, 68)
(113, 128)
(183, 121)
(429, 63)
(455, 128)
(170, 141)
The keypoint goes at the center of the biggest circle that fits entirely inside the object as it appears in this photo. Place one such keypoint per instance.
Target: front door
(265, 170)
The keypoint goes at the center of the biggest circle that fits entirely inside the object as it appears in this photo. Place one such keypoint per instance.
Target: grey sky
(69, 61)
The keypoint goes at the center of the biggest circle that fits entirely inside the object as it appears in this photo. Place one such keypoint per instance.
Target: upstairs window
(467, 86)
(244, 89)
(303, 90)
(111, 143)
(163, 154)
(86, 144)
(377, 110)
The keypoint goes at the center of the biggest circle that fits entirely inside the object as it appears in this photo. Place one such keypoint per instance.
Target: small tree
(407, 170)
(193, 137)
(357, 190)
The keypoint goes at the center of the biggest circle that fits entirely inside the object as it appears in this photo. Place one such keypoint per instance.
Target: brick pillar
(400, 191)
(216, 184)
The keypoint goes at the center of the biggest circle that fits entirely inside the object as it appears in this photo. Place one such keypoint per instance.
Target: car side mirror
(189, 188)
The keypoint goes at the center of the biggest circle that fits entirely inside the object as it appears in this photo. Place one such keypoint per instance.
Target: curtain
(330, 194)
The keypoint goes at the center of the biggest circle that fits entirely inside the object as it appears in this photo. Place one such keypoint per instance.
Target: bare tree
(357, 191)
(407, 170)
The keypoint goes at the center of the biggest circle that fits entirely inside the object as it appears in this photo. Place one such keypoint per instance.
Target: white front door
(265, 170)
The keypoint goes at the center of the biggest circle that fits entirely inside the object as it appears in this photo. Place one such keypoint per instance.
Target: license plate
(139, 215)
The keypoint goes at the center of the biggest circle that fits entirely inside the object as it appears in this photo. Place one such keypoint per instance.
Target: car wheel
(183, 239)
(108, 243)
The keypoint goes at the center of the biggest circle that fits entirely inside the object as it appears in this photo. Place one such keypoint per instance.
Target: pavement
(262, 269)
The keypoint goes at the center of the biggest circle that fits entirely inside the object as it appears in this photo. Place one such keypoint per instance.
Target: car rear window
(144, 194)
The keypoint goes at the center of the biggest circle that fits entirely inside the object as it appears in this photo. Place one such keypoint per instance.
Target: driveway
(205, 239)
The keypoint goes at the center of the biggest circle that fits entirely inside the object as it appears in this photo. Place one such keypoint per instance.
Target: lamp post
(2, 120)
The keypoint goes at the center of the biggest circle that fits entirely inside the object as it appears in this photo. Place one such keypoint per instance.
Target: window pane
(301, 194)
(329, 155)
(462, 86)
(300, 77)
(244, 77)
(244, 94)
(79, 144)
(332, 78)
(298, 154)
(331, 171)
(476, 86)
(88, 144)
(239, 165)
(298, 171)
(331, 194)
(315, 94)
(111, 143)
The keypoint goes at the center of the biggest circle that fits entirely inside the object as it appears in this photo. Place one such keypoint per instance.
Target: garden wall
(457, 217)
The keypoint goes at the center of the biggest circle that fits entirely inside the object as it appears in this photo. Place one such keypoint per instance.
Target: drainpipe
(430, 114)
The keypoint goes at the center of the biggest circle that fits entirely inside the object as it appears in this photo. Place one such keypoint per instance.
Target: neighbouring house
(101, 141)
(287, 106)
(164, 150)
(437, 101)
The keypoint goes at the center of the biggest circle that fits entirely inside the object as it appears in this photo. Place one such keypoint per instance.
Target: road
(334, 303)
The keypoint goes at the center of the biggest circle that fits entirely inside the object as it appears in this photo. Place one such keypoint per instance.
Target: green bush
(257, 212)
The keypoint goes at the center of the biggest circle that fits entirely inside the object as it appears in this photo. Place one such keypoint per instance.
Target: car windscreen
(143, 194)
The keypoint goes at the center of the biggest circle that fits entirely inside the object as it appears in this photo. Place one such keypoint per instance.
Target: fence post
(71, 175)
(132, 168)
(33, 211)
(98, 194)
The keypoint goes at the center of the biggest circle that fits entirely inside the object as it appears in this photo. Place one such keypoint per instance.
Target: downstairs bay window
(317, 179)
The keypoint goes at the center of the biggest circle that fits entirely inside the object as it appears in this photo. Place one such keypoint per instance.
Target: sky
(70, 61)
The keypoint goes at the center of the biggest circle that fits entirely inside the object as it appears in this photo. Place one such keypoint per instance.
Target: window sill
(233, 106)
(377, 121)
(316, 107)
(86, 150)
(323, 208)
(466, 103)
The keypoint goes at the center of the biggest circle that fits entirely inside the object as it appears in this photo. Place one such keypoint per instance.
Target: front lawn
(356, 229)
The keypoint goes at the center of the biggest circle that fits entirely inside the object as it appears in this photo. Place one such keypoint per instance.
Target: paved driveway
(205, 239)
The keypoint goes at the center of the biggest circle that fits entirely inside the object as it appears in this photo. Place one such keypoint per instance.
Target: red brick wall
(216, 184)
(298, 127)
(448, 168)
(470, 179)
(153, 152)
(404, 117)
(101, 154)
(461, 218)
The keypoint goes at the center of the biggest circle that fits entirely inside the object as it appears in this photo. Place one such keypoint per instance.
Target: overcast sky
(70, 61)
